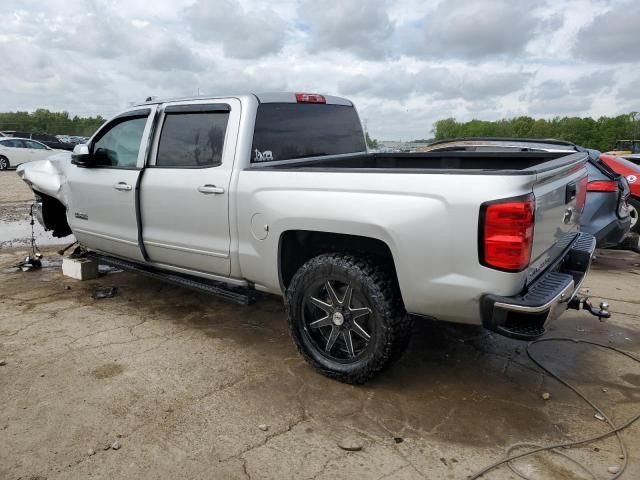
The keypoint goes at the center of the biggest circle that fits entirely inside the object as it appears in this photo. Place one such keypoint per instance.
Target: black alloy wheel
(346, 316)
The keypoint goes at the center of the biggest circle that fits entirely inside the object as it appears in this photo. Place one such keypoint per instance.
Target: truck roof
(267, 97)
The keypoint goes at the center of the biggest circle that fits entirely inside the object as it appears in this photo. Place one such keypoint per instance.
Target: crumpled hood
(47, 176)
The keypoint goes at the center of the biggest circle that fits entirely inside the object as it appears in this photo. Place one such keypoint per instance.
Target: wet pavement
(185, 382)
(16, 229)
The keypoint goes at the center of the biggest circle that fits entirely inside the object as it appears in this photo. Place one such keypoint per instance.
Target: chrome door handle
(208, 189)
(122, 186)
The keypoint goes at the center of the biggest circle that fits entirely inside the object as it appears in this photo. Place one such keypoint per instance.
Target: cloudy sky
(405, 63)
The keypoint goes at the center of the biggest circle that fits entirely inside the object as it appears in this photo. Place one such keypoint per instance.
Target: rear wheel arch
(296, 247)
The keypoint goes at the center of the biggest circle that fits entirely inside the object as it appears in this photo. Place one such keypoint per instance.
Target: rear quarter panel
(428, 221)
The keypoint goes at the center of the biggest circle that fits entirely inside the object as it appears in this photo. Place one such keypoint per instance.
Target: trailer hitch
(583, 303)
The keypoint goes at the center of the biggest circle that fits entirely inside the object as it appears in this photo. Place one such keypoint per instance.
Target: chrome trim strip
(560, 298)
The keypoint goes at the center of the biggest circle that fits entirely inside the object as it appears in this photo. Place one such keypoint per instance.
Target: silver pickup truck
(277, 193)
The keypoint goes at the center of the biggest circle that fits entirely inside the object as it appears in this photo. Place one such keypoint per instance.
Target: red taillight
(310, 98)
(581, 194)
(602, 186)
(507, 233)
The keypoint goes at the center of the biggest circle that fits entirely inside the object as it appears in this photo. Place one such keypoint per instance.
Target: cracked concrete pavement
(185, 380)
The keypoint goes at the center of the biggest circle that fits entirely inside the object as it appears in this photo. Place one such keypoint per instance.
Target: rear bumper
(524, 316)
(613, 234)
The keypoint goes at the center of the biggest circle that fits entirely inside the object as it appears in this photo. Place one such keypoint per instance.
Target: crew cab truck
(277, 193)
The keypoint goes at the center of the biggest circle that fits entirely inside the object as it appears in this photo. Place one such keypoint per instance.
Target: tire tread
(398, 325)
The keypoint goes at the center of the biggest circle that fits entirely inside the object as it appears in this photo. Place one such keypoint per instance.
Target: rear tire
(346, 317)
(634, 211)
(4, 163)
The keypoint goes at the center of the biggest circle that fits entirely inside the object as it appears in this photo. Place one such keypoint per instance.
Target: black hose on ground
(533, 449)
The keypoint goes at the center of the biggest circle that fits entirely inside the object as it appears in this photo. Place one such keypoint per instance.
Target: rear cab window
(286, 131)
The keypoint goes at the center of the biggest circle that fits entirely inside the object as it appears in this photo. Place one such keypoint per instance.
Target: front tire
(4, 163)
(634, 211)
(346, 317)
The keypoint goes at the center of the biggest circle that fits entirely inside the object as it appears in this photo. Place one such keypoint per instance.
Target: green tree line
(54, 123)
(371, 142)
(600, 134)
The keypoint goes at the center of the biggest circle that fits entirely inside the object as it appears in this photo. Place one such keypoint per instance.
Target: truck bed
(431, 162)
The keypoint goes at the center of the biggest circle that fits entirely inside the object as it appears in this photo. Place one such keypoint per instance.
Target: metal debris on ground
(62, 252)
(599, 416)
(104, 292)
(31, 262)
(107, 269)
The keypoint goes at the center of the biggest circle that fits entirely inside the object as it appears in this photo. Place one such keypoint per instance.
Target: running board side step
(238, 295)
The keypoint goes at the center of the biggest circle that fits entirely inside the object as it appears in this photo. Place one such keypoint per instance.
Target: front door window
(119, 147)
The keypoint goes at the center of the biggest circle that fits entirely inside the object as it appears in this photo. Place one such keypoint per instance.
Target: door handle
(122, 186)
(208, 189)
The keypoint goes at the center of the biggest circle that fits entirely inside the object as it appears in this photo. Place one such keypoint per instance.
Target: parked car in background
(48, 140)
(606, 214)
(632, 157)
(631, 171)
(625, 147)
(15, 151)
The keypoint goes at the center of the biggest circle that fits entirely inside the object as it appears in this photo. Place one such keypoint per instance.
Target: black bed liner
(429, 162)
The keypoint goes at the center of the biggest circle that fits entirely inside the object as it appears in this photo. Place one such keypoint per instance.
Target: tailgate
(560, 191)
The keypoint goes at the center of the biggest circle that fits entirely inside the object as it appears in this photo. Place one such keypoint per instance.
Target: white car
(14, 151)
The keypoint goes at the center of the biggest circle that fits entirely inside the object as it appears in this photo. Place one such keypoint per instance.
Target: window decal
(266, 156)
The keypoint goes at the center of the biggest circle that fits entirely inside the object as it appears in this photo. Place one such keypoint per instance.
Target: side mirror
(82, 157)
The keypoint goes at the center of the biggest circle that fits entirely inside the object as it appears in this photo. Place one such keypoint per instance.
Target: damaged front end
(47, 179)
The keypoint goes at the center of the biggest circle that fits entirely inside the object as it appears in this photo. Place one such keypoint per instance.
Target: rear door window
(286, 131)
(192, 139)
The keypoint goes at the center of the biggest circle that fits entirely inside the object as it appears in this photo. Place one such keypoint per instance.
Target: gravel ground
(12, 189)
(162, 382)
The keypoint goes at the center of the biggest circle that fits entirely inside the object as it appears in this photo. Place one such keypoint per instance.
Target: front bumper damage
(525, 316)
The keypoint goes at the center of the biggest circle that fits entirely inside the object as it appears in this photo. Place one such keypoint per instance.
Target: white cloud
(405, 63)
(611, 36)
(247, 34)
(362, 28)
